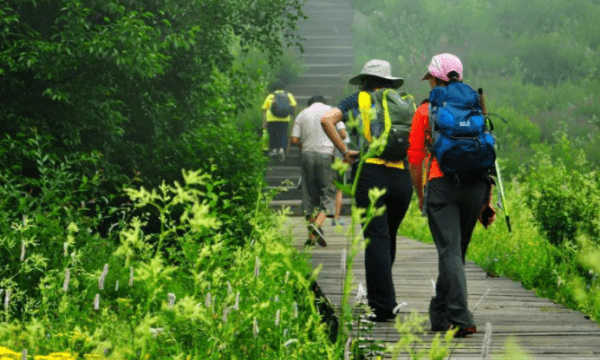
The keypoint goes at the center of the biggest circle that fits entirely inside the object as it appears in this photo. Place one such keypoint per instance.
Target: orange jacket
(419, 138)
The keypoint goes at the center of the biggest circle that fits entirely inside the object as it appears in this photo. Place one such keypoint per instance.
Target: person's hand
(351, 156)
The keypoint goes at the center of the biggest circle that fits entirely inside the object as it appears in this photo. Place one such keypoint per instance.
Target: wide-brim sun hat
(378, 68)
(443, 64)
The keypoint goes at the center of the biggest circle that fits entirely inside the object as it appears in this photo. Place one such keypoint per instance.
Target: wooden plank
(544, 329)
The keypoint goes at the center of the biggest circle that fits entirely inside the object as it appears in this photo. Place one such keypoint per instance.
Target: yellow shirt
(267, 106)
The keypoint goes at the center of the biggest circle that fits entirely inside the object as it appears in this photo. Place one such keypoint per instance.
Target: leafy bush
(45, 217)
(126, 77)
(564, 200)
(189, 291)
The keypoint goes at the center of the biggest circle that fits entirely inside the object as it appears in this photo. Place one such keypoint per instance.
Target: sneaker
(337, 221)
(281, 155)
(272, 152)
(317, 233)
(464, 331)
(379, 318)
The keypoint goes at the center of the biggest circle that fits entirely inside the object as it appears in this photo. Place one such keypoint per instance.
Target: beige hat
(378, 68)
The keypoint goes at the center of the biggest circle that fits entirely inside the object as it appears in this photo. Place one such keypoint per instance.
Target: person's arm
(343, 134)
(297, 132)
(296, 141)
(416, 174)
(328, 121)
(265, 109)
(416, 152)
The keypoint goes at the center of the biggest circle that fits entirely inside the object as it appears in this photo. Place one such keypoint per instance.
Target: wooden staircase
(329, 63)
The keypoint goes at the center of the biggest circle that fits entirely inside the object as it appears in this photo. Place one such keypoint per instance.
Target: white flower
(277, 316)
(276, 298)
(97, 302)
(287, 277)
(67, 279)
(130, 276)
(361, 293)
(229, 289)
(290, 342)
(256, 267)
(117, 285)
(66, 248)
(103, 277)
(156, 331)
(7, 299)
(343, 261)
(23, 252)
(225, 313)
(207, 301)
(255, 328)
(24, 354)
(236, 306)
(171, 298)
(295, 305)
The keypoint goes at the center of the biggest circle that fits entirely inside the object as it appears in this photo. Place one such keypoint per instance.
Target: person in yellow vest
(279, 108)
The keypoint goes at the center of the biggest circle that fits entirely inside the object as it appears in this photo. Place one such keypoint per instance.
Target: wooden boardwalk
(542, 328)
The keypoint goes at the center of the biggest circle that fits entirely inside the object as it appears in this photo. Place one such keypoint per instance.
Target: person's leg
(322, 182)
(309, 199)
(400, 191)
(338, 208)
(272, 130)
(472, 201)
(283, 128)
(443, 214)
(378, 261)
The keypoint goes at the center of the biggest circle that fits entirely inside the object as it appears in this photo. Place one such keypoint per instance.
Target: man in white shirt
(316, 173)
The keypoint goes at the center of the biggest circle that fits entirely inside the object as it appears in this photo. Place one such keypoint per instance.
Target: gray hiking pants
(452, 212)
(316, 176)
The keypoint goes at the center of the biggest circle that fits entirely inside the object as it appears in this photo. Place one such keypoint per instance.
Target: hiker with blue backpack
(451, 158)
(279, 108)
(384, 117)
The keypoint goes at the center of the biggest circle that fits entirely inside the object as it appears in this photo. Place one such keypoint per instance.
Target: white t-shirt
(307, 127)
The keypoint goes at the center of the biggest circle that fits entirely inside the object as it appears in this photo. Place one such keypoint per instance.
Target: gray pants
(452, 212)
(316, 175)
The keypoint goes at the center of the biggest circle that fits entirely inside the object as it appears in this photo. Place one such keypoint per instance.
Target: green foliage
(128, 77)
(564, 199)
(536, 65)
(188, 292)
(45, 218)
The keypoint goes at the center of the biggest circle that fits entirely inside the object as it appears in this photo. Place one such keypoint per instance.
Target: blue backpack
(461, 140)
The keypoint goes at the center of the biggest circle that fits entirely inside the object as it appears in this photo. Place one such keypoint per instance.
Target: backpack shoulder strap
(386, 113)
(364, 106)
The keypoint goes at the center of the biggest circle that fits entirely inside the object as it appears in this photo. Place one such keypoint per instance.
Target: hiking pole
(504, 204)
